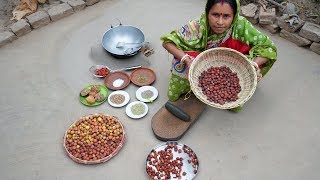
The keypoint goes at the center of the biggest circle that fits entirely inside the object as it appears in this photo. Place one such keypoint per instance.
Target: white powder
(117, 83)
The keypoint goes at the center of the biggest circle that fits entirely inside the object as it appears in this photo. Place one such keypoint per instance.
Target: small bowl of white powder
(117, 80)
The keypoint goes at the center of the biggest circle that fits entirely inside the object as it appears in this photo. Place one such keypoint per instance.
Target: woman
(219, 26)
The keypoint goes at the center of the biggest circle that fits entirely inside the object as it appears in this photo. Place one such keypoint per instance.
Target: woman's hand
(260, 60)
(259, 75)
(187, 60)
(257, 63)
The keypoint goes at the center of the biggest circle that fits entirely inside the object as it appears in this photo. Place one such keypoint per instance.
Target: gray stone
(91, 2)
(281, 21)
(255, 19)
(272, 28)
(20, 27)
(267, 16)
(6, 37)
(315, 47)
(249, 10)
(38, 19)
(295, 38)
(60, 11)
(266, 21)
(77, 5)
(290, 8)
(310, 31)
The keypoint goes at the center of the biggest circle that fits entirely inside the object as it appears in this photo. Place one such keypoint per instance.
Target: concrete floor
(276, 136)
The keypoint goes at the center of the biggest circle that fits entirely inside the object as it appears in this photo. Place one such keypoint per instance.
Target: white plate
(126, 98)
(145, 88)
(130, 114)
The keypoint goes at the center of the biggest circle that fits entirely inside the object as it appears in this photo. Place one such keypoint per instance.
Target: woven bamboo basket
(102, 160)
(233, 59)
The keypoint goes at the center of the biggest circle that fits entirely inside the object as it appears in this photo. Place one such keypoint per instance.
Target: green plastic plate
(103, 91)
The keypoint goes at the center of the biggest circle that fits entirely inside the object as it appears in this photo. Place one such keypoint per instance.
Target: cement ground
(276, 136)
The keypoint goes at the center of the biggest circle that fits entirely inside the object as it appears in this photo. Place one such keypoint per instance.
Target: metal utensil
(123, 44)
(127, 68)
(122, 33)
(93, 69)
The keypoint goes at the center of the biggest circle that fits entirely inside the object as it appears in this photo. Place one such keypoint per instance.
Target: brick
(267, 16)
(310, 31)
(38, 19)
(249, 10)
(6, 37)
(91, 2)
(281, 21)
(315, 47)
(20, 27)
(272, 28)
(77, 5)
(60, 11)
(255, 19)
(295, 38)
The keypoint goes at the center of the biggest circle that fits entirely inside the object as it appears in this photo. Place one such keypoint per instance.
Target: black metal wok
(123, 41)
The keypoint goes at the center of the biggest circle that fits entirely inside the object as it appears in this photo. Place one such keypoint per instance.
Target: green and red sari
(195, 37)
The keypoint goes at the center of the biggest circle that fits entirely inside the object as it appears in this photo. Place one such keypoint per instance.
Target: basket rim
(102, 160)
(216, 105)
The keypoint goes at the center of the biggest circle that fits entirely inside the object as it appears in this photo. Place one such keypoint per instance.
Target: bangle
(255, 65)
(184, 58)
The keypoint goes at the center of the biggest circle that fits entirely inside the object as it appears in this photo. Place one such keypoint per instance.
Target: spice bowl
(118, 98)
(137, 109)
(99, 71)
(117, 80)
(147, 94)
(143, 76)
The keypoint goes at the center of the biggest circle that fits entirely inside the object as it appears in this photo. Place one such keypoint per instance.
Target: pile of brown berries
(94, 137)
(220, 84)
(163, 164)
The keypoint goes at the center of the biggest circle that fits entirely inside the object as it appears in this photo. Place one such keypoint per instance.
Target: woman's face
(220, 17)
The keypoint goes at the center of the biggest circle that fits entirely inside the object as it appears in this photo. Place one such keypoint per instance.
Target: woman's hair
(232, 3)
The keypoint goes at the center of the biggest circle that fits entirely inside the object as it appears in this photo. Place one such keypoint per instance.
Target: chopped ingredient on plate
(102, 71)
(117, 98)
(90, 99)
(99, 97)
(85, 92)
(138, 109)
(142, 79)
(146, 94)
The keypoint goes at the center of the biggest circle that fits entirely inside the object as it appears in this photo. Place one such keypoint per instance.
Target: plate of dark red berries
(172, 160)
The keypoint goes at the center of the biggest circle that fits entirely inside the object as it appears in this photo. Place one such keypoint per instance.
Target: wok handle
(119, 22)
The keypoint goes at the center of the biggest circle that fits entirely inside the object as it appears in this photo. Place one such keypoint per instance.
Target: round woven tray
(115, 152)
(233, 59)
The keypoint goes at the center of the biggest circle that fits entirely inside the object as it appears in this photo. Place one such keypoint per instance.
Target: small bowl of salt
(117, 80)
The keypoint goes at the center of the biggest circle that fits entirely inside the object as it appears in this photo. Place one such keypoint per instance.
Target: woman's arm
(172, 49)
(178, 53)
(260, 60)
(262, 51)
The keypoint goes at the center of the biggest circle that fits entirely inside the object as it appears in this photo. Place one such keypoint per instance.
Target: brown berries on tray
(94, 138)
(172, 160)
